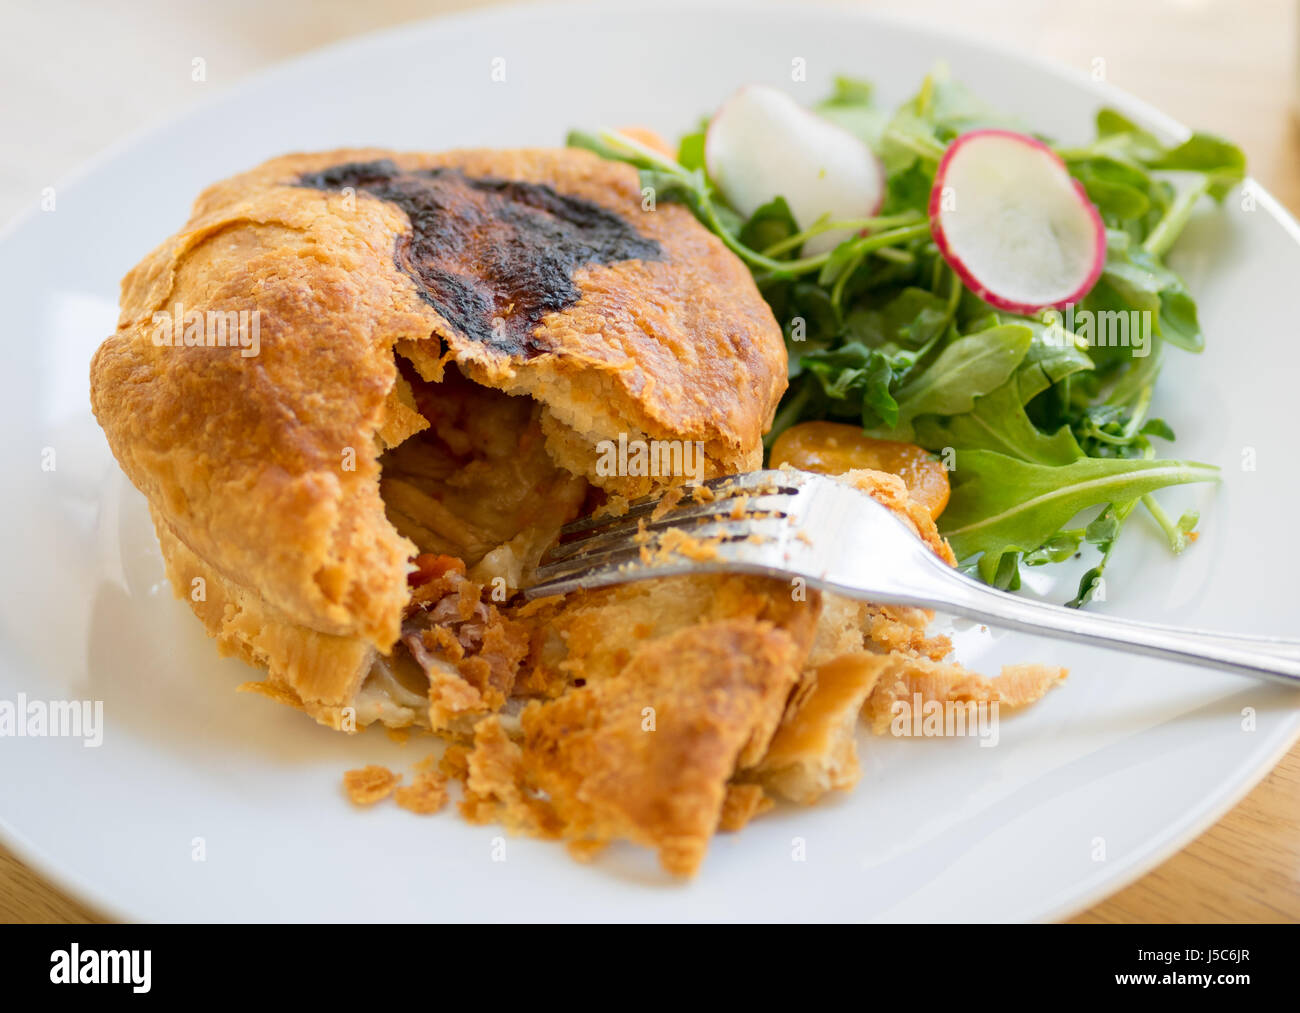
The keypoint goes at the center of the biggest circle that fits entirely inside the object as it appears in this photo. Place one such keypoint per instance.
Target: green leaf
(877, 402)
(907, 140)
(850, 91)
(1103, 532)
(1126, 138)
(1057, 549)
(851, 108)
(998, 423)
(690, 152)
(906, 318)
(1002, 572)
(1158, 427)
(1051, 358)
(1221, 160)
(998, 420)
(1178, 321)
(1000, 504)
(909, 189)
(1116, 201)
(1112, 121)
(1134, 279)
(854, 371)
(967, 368)
(769, 225)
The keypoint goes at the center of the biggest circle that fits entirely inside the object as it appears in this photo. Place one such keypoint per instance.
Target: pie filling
(481, 499)
(474, 487)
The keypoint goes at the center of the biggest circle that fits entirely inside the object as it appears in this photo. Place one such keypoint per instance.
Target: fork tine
(552, 573)
(722, 489)
(619, 557)
(688, 518)
(595, 551)
(616, 573)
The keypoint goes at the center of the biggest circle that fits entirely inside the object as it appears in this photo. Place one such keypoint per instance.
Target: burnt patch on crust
(492, 256)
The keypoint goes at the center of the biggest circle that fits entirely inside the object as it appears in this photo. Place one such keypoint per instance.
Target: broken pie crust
(291, 492)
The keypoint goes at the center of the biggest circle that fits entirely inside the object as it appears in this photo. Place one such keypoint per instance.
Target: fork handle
(1271, 659)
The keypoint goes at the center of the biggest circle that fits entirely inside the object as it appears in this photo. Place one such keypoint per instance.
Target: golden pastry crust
(947, 682)
(391, 291)
(266, 467)
(646, 755)
(742, 804)
(651, 697)
(814, 751)
(316, 672)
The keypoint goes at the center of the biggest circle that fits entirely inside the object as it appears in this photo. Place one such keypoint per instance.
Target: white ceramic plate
(1084, 792)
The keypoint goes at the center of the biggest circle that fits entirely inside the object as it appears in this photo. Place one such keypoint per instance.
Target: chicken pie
(362, 390)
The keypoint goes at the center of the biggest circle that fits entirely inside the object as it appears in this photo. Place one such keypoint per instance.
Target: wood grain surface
(1224, 66)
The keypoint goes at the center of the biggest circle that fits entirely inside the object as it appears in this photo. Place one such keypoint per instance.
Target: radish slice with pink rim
(1019, 231)
(761, 144)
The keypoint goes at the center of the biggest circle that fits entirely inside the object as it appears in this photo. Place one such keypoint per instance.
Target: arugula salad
(940, 272)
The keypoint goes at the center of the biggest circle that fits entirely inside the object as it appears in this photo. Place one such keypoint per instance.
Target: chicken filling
(480, 497)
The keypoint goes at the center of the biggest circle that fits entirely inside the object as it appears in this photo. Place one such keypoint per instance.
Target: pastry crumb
(425, 795)
(271, 690)
(369, 784)
(669, 502)
(455, 762)
(398, 735)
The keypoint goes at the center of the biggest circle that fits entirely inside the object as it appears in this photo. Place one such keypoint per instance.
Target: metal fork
(795, 524)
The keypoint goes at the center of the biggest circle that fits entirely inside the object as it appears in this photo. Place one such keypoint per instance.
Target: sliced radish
(1014, 225)
(762, 144)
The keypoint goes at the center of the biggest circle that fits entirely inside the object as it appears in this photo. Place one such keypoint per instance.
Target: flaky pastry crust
(265, 467)
(391, 289)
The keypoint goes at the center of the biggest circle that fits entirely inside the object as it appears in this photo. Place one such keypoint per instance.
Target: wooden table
(1222, 65)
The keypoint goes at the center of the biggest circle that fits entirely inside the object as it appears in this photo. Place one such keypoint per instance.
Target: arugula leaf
(690, 152)
(1103, 532)
(850, 106)
(1120, 191)
(1158, 427)
(1057, 549)
(1135, 280)
(910, 317)
(850, 91)
(770, 224)
(967, 368)
(1222, 161)
(854, 371)
(909, 189)
(998, 422)
(1120, 138)
(810, 305)
(1000, 504)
